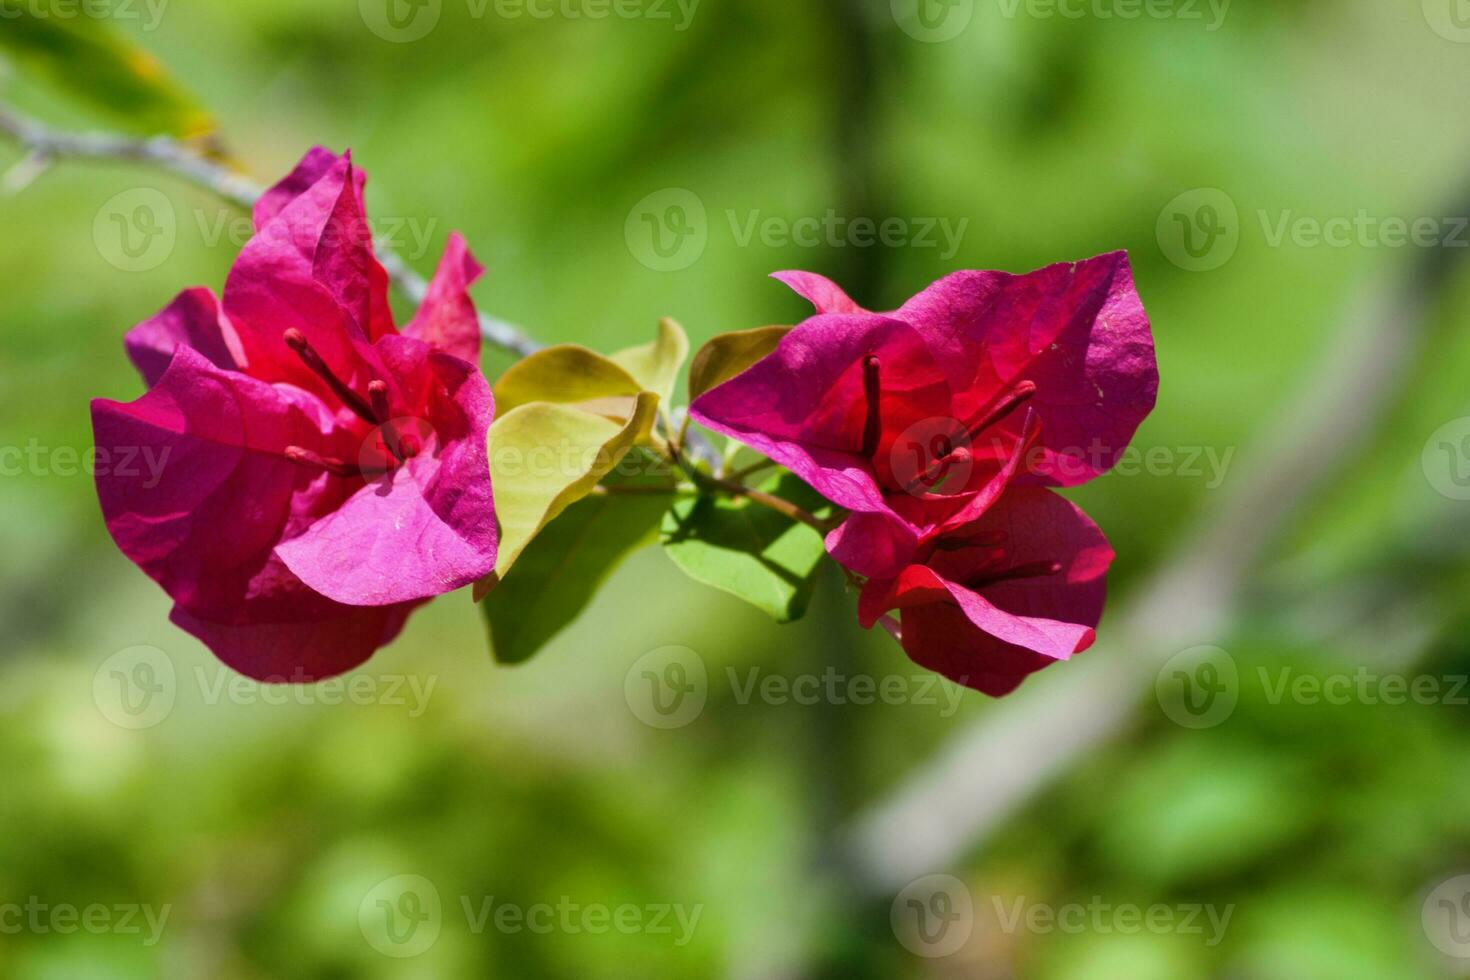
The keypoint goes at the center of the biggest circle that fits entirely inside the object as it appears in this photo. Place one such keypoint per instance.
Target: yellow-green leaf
(545, 457)
(727, 354)
(656, 364)
(563, 375)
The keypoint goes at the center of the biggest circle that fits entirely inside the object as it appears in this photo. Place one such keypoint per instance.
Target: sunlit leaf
(726, 355)
(564, 374)
(749, 550)
(656, 364)
(544, 457)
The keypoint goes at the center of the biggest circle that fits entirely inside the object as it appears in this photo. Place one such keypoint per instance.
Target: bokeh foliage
(264, 825)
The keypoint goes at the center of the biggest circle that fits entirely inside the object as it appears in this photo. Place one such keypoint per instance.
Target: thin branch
(989, 770)
(182, 160)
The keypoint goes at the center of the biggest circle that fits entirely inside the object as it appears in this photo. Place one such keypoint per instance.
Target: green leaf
(656, 364)
(544, 458)
(564, 374)
(91, 61)
(749, 550)
(558, 573)
(727, 354)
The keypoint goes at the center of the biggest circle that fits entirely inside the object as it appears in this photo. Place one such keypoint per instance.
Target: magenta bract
(324, 473)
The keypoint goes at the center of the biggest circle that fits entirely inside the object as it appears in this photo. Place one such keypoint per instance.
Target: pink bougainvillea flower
(324, 473)
(987, 604)
(879, 410)
(938, 425)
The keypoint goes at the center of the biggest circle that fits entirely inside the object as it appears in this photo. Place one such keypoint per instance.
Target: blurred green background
(269, 830)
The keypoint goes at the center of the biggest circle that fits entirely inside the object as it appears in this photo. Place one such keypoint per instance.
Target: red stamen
(937, 470)
(315, 461)
(408, 446)
(296, 340)
(873, 423)
(378, 396)
(1008, 403)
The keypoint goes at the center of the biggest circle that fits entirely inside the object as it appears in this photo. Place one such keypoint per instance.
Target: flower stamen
(296, 340)
(316, 461)
(1008, 403)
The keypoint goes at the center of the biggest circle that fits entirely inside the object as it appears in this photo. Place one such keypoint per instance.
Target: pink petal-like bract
(937, 425)
(322, 474)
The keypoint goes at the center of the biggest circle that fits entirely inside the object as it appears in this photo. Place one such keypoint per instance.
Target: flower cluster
(326, 471)
(940, 427)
